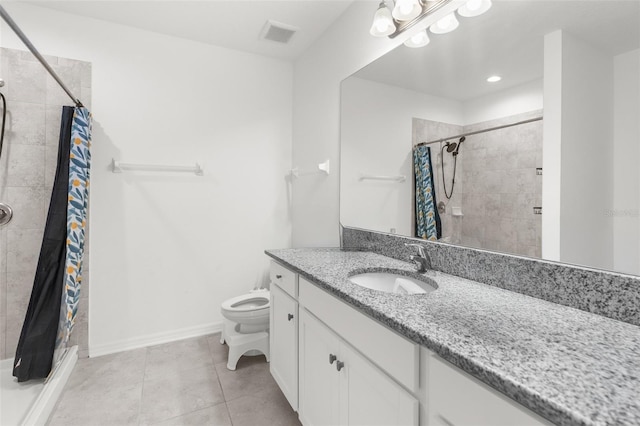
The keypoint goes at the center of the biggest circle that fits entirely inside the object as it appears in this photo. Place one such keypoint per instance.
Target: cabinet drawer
(284, 278)
(457, 399)
(387, 349)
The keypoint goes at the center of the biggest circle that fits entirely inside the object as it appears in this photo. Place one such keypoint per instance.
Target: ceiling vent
(278, 32)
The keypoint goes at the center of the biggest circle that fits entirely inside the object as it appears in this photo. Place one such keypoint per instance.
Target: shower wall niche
(27, 171)
(498, 183)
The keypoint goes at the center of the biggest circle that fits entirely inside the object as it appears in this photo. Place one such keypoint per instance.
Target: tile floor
(179, 383)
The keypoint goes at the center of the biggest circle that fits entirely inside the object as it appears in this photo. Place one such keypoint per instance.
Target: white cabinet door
(457, 399)
(370, 397)
(338, 386)
(284, 343)
(319, 402)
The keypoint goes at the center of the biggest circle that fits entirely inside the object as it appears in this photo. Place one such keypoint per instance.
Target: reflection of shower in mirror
(454, 150)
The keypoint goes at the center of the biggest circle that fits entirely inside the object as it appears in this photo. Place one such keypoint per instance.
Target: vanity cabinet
(283, 335)
(337, 366)
(338, 386)
(457, 399)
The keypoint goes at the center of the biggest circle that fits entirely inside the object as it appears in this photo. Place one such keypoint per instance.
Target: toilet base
(246, 344)
(229, 328)
(252, 343)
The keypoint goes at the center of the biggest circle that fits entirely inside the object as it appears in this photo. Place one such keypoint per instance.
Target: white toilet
(246, 325)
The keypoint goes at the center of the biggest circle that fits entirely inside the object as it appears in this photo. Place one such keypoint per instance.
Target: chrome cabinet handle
(278, 276)
(289, 317)
(339, 365)
(332, 358)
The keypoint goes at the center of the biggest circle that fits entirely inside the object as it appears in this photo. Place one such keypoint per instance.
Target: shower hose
(4, 119)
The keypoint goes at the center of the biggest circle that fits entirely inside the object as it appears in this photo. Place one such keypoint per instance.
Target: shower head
(450, 146)
(457, 148)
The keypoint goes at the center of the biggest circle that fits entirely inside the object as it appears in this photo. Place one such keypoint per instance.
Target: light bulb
(406, 10)
(474, 8)
(494, 79)
(445, 24)
(382, 22)
(382, 25)
(420, 39)
(474, 4)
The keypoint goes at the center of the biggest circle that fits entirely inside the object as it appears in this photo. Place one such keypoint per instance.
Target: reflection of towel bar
(118, 167)
(398, 178)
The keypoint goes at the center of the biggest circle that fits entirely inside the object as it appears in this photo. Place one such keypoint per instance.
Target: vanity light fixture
(420, 39)
(383, 24)
(445, 25)
(494, 79)
(474, 8)
(407, 13)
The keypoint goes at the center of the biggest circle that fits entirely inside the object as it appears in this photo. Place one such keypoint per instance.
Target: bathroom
(181, 244)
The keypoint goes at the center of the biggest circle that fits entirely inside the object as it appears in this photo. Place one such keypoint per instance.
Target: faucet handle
(420, 248)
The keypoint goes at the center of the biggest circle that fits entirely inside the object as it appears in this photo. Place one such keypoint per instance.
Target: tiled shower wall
(497, 186)
(27, 172)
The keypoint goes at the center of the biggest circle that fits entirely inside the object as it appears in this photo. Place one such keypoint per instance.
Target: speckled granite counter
(569, 366)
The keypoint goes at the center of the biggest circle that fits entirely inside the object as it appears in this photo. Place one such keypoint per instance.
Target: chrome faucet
(422, 260)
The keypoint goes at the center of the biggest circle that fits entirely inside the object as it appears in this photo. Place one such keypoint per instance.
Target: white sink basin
(394, 283)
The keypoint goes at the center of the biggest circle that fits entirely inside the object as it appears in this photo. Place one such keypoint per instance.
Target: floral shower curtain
(56, 288)
(428, 224)
(78, 197)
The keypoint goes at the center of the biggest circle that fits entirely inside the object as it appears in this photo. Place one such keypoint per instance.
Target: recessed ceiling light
(494, 79)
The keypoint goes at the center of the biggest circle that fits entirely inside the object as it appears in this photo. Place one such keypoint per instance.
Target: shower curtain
(54, 297)
(428, 225)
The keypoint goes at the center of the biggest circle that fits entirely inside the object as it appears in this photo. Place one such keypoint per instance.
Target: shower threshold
(32, 402)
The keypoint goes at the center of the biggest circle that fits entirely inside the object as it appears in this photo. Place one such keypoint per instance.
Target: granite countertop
(567, 365)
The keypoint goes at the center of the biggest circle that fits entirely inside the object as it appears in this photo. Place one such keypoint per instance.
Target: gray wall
(27, 171)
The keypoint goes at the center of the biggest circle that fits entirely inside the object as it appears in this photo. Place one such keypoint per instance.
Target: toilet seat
(251, 308)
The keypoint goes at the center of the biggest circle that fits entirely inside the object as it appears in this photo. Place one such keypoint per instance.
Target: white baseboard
(153, 339)
(46, 401)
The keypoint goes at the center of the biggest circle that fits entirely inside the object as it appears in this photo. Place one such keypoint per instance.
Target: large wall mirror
(543, 163)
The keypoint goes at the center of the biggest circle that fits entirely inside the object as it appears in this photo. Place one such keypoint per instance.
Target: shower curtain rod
(531, 120)
(37, 54)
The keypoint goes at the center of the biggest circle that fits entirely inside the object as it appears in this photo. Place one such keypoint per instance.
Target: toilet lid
(247, 302)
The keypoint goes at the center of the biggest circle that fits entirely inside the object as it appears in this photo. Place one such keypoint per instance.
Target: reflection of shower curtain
(427, 218)
(60, 258)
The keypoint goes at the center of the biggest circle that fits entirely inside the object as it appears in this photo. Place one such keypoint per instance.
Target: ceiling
(235, 24)
(508, 40)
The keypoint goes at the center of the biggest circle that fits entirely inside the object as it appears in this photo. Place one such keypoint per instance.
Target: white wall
(577, 152)
(505, 103)
(625, 210)
(587, 159)
(343, 49)
(376, 139)
(167, 249)
(552, 146)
